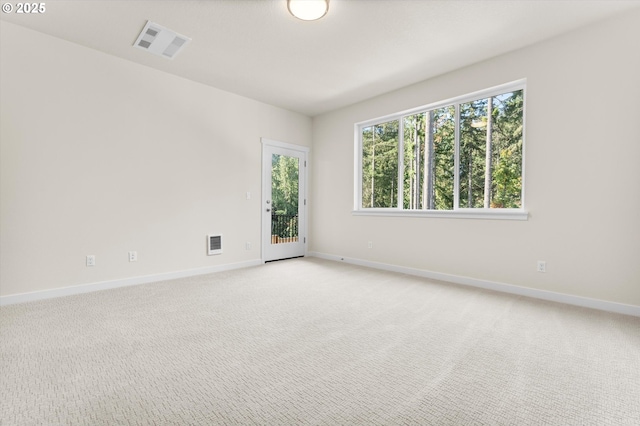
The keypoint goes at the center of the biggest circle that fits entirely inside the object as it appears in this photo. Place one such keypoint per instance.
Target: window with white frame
(460, 157)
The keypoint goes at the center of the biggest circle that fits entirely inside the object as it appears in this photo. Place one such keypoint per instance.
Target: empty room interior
(340, 212)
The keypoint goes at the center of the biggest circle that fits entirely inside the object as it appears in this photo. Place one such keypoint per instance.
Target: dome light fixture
(308, 10)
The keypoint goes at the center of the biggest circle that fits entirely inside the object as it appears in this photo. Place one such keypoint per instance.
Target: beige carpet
(313, 342)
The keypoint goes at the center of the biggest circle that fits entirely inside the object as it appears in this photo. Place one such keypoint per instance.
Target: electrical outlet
(247, 246)
(133, 256)
(542, 266)
(370, 244)
(91, 260)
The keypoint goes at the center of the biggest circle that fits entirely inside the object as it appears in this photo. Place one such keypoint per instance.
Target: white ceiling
(360, 49)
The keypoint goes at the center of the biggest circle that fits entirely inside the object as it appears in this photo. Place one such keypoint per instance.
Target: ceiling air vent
(214, 244)
(161, 41)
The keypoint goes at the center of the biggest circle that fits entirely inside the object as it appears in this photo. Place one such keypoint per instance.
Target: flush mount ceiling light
(308, 10)
(161, 41)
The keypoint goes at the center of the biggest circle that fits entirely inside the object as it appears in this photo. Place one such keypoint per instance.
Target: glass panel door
(284, 203)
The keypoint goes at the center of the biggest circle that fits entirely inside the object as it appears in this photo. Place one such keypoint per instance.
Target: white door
(283, 200)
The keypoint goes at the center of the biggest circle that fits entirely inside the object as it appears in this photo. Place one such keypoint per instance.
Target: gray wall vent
(214, 244)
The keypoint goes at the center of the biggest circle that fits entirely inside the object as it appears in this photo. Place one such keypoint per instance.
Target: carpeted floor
(314, 342)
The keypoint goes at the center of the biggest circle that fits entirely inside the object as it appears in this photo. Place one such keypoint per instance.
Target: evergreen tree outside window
(380, 165)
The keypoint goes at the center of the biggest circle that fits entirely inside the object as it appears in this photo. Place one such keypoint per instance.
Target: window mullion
(456, 160)
(400, 163)
(358, 168)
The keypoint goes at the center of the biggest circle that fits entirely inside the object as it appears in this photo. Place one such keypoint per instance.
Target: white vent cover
(214, 244)
(161, 41)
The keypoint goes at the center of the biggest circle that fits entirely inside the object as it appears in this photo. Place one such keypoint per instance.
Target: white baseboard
(568, 299)
(106, 285)
(602, 305)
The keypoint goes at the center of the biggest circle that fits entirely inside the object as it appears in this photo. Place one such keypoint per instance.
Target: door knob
(268, 210)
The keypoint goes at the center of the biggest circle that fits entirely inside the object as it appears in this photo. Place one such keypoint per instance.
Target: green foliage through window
(380, 165)
(411, 160)
(491, 152)
(284, 184)
(429, 148)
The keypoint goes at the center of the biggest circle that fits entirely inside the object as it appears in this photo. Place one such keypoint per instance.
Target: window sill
(492, 214)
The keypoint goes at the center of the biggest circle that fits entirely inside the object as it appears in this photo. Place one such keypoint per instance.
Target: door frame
(303, 179)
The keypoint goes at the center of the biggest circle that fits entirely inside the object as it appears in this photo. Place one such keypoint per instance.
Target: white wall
(582, 174)
(102, 156)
